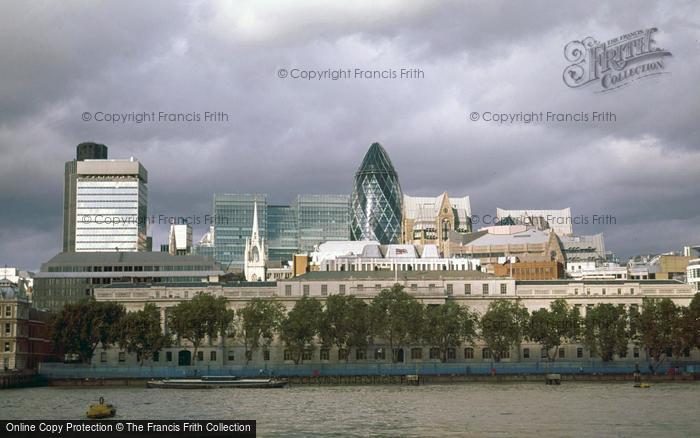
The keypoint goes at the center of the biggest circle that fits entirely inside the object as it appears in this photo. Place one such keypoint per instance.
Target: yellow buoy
(101, 410)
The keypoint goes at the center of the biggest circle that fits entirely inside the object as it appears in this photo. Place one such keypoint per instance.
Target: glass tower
(376, 199)
(321, 218)
(281, 232)
(233, 214)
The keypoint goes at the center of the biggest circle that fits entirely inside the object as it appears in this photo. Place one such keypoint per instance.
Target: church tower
(254, 267)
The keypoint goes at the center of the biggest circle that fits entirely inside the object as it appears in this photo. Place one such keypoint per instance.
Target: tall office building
(84, 151)
(282, 231)
(233, 214)
(376, 200)
(321, 218)
(105, 202)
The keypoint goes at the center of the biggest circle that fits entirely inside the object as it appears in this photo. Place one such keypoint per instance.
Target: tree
(657, 326)
(345, 323)
(300, 326)
(396, 317)
(503, 326)
(449, 325)
(201, 317)
(259, 320)
(605, 330)
(688, 326)
(554, 326)
(80, 327)
(142, 333)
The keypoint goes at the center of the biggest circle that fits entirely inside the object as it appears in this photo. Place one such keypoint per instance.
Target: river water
(464, 409)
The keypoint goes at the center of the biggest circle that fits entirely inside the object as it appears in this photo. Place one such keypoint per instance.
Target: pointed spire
(254, 236)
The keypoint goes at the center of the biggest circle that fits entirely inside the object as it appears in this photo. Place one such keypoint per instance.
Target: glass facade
(233, 214)
(376, 199)
(281, 232)
(321, 218)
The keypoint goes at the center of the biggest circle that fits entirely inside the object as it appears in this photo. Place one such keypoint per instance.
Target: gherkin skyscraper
(376, 199)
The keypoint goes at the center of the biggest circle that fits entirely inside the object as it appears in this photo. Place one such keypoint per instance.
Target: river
(465, 409)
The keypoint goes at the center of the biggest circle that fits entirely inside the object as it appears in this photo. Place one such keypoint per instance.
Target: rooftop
(134, 258)
(390, 275)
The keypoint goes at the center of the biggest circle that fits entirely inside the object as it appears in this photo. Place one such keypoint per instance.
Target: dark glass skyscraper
(376, 199)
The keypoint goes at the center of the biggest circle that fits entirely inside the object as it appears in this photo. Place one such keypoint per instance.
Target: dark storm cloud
(291, 136)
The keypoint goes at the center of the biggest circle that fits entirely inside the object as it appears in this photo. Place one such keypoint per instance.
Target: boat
(213, 382)
(101, 410)
(642, 385)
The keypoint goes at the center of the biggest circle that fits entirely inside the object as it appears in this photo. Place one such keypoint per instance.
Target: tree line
(393, 319)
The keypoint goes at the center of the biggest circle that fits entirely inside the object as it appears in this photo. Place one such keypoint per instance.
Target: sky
(285, 136)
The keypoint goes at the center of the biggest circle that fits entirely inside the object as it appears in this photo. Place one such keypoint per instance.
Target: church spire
(254, 235)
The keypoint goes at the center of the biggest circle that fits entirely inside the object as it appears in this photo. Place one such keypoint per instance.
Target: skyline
(287, 136)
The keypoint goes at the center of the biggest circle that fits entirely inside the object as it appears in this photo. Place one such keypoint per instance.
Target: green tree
(301, 326)
(259, 320)
(689, 324)
(554, 326)
(80, 327)
(345, 323)
(201, 317)
(142, 333)
(504, 326)
(657, 326)
(605, 330)
(449, 325)
(397, 318)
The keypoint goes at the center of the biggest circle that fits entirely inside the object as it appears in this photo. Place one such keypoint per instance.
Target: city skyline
(286, 136)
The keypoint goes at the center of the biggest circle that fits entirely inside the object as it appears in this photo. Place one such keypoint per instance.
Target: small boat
(212, 382)
(101, 410)
(642, 385)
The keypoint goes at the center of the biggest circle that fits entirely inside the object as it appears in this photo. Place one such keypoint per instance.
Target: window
(122, 356)
(8, 328)
(485, 288)
(377, 287)
(603, 291)
(631, 291)
(342, 354)
(288, 289)
(307, 355)
(575, 291)
(360, 354)
(504, 288)
(619, 291)
(434, 353)
(169, 356)
(306, 290)
(379, 354)
(103, 356)
(287, 355)
(8, 311)
(8, 347)
(249, 355)
(266, 354)
(200, 356)
(414, 286)
(579, 352)
(635, 352)
(416, 353)
(156, 356)
(324, 289)
(449, 289)
(341, 289)
(543, 353)
(526, 353)
(562, 353)
(469, 353)
(325, 354)
(212, 356)
(506, 355)
(486, 353)
(360, 287)
(451, 354)
(467, 289)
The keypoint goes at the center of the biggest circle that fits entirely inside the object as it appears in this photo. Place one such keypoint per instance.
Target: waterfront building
(541, 270)
(474, 289)
(429, 220)
(180, 239)
(376, 200)
(372, 256)
(254, 254)
(69, 277)
(24, 331)
(321, 218)
(233, 214)
(693, 274)
(596, 271)
(660, 267)
(494, 245)
(558, 220)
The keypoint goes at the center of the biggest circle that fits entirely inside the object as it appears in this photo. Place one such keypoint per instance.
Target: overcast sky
(288, 136)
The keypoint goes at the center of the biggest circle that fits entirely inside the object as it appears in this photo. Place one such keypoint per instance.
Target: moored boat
(212, 382)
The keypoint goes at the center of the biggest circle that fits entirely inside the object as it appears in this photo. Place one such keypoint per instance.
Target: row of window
(604, 291)
(485, 288)
(129, 268)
